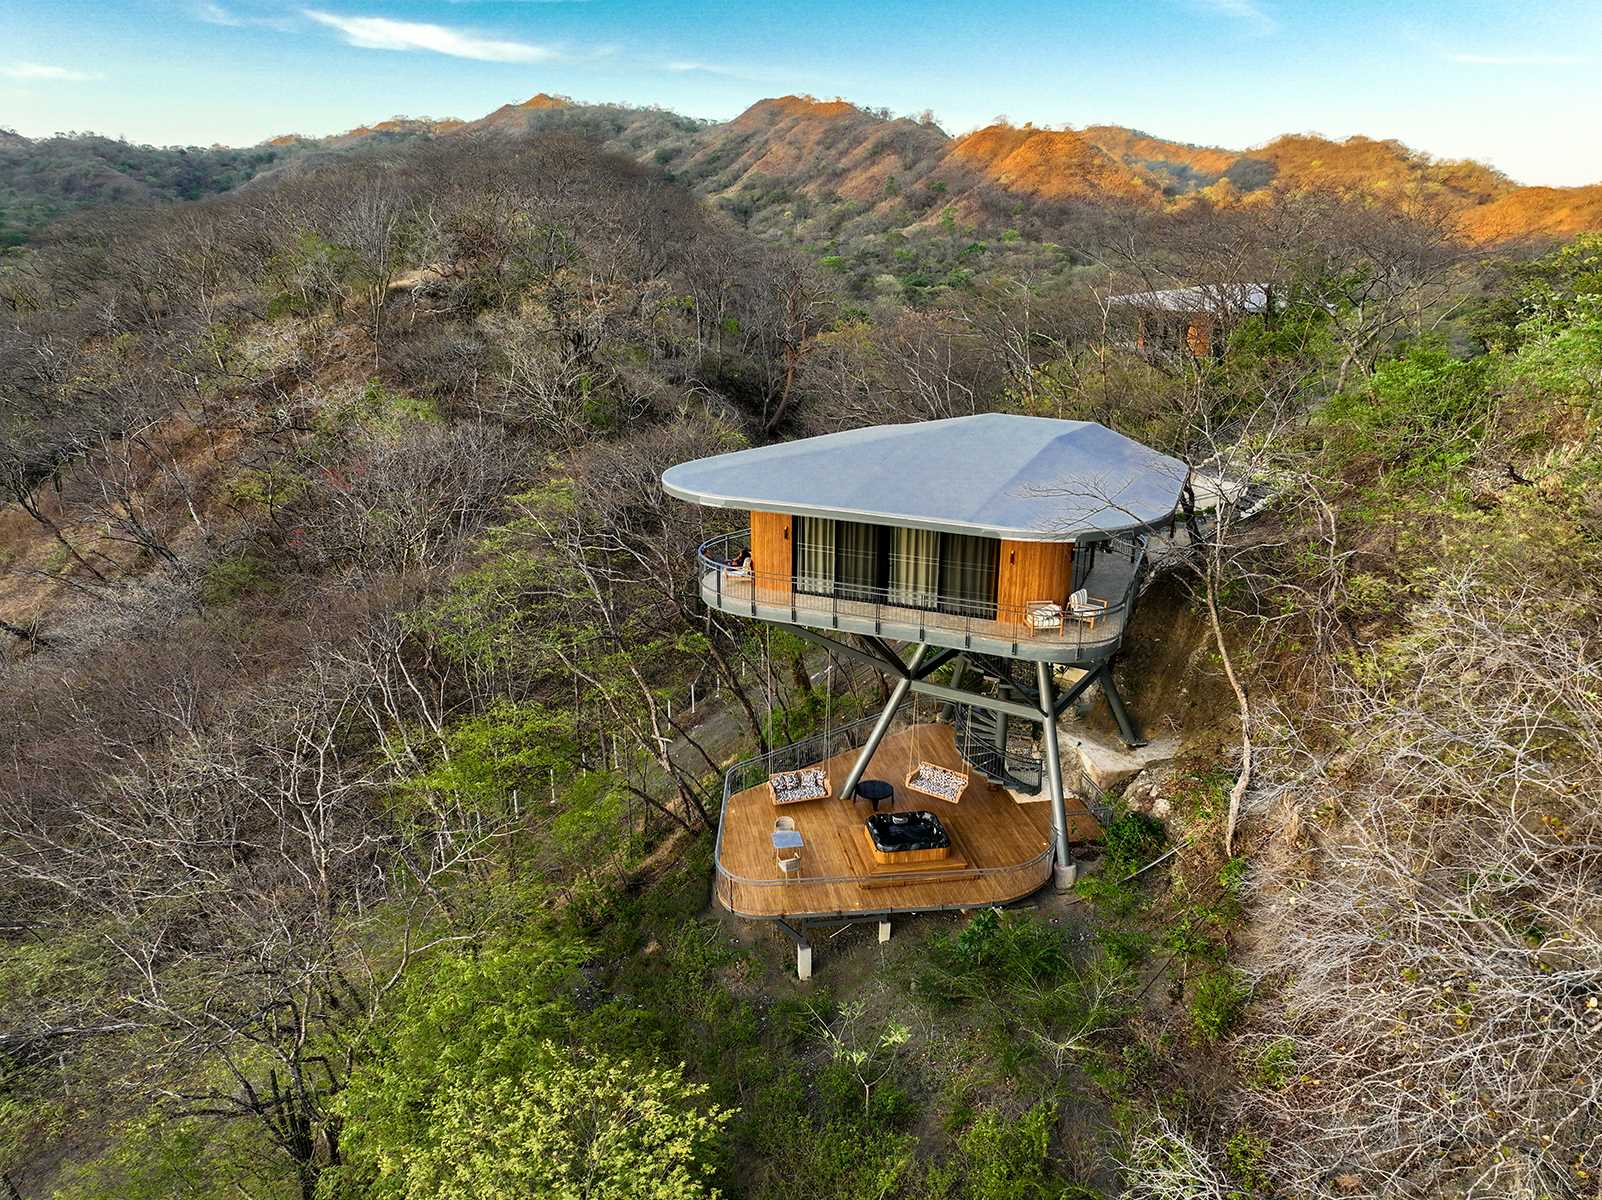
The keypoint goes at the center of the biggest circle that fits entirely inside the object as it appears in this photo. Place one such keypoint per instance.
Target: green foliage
(227, 579)
(1543, 293)
(570, 1127)
(51, 177)
(1421, 414)
(842, 1160)
(1203, 795)
(1559, 356)
(994, 951)
(1002, 1159)
(465, 1023)
(1275, 1065)
(381, 409)
(1126, 949)
(27, 1122)
(1246, 1152)
(1035, 1003)
(309, 277)
(271, 489)
(71, 966)
(156, 1157)
(510, 748)
(1216, 1002)
(1133, 840)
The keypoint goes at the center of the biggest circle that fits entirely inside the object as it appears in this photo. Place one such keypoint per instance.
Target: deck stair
(999, 748)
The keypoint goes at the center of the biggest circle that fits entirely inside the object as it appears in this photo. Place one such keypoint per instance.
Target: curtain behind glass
(857, 562)
(968, 570)
(914, 567)
(814, 555)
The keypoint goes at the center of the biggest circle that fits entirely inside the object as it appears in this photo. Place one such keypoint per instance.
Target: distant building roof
(992, 475)
(1206, 297)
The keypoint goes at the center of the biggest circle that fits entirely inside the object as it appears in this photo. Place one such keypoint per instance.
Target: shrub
(1002, 1159)
(1422, 413)
(228, 579)
(1275, 1065)
(1217, 1002)
(1245, 1152)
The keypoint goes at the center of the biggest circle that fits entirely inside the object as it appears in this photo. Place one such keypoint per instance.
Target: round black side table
(876, 792)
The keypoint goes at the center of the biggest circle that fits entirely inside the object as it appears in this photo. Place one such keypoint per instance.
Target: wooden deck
(1001, 850)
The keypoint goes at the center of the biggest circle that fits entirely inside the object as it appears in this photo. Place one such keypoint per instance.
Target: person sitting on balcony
(740, 564)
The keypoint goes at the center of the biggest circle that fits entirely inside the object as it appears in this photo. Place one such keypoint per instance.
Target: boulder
(1152, 791)
(1108, 766)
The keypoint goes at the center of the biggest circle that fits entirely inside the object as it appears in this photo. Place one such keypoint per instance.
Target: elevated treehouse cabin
(1008, 548)
(1192, 320)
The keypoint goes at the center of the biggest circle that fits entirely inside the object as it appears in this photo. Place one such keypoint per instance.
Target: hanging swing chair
(807, 783)
(930, 778)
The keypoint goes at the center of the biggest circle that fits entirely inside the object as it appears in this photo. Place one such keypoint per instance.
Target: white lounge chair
(1042, 615)
(1082, 606)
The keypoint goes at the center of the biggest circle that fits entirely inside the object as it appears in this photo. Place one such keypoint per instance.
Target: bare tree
(1439, 971)
(234, 872)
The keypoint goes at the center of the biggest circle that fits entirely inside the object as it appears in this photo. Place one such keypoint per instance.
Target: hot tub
(902, 837)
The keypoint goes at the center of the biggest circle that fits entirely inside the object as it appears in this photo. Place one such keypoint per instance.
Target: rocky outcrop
(1107, 765)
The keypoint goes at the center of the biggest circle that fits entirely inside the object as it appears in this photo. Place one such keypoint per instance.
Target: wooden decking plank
(988, 830)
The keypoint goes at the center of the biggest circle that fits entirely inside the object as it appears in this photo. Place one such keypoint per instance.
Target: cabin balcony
(1013, 631)
(1000, 842)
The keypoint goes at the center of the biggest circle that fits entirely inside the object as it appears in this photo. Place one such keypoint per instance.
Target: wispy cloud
(43, 71)
(693, 67)
(1248, 12)
(1519, 60)
(216, 14)
(381, 33)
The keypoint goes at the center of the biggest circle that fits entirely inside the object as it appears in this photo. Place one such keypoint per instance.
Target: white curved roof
(994, 475)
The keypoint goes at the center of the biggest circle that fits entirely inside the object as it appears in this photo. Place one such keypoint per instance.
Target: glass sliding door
(914, 567)
(968, 571)
(859, 561)
(814, 555)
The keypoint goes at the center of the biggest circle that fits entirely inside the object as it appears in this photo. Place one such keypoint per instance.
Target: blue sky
(1516, 84)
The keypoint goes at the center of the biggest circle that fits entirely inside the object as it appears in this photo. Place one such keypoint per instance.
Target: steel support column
(1126, 727)
(882, 725)
(1048, 723)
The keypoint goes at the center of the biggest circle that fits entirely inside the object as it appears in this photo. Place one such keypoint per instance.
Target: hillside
(42, 179)
(834, 150)
(1048, 163)
(1547, 212)
(1175, 167)
(903, 172)
(366, 727)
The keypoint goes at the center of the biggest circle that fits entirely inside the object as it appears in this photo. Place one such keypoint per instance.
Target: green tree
(571, 1126)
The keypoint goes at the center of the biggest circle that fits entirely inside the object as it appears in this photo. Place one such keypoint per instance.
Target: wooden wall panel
(1032, 571)
(771, 552)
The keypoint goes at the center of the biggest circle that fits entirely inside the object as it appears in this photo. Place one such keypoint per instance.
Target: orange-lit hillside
(1053, 164)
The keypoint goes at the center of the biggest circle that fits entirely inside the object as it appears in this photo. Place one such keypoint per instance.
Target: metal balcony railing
(1011, 630)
